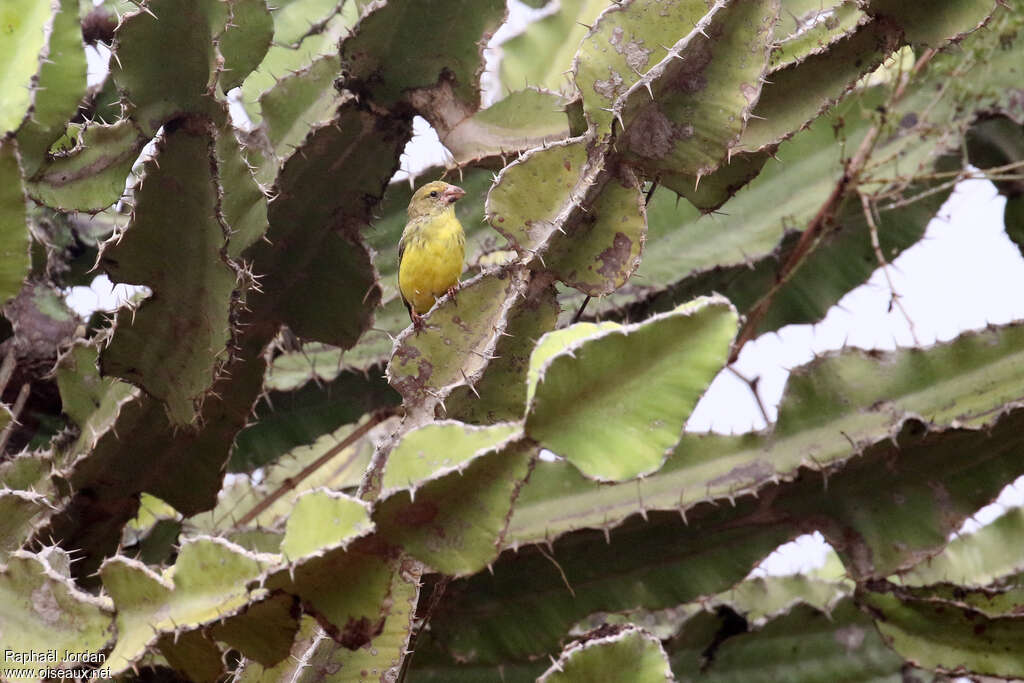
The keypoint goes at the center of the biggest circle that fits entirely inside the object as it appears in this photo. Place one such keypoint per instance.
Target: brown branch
(825, 218)
(19, 405)
(291, 482)
(894, 297)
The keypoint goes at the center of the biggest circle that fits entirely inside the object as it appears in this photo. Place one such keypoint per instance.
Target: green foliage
(504, 493)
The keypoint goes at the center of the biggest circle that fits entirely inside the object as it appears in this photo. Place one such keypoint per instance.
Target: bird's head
(433, 198)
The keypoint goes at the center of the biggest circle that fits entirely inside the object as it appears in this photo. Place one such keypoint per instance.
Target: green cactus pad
(977, 559)
(627, 40)
(321, 205)
(82, 390)
(345, 588)
(931, 23)
(298, 102)
(688, 112)
(454, 521)
(27, 471)
(534, 194)
(626, 654)
(304, 32)
(60, 85)
(166, 62)
(21, 41)
(316, 658)
(458, 340)
(501, 393)
(19, 510)
(91, 176)
(242, 203)
(799, 91)
(13, 228)
(542, 55)
(322, 519)
(174, 343)
(208, 581)
(825, 402)
(245, 40)
(265, 631)
(669, 360)
(42, 610)
(192, 655)
(811, 35)
(713, 190)
(106, 464)
(385, 57)
(947, 637)
(802, 645)
(556, 342)
(601, 246)
(437, 448)
(523, 120)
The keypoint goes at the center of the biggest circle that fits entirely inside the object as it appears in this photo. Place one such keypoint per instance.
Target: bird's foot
(451, 293)
(417, 321)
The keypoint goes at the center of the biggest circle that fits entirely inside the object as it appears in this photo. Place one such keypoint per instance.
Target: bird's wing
(401, 252)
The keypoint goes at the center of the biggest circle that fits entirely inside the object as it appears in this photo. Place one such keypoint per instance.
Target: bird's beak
(453, 194)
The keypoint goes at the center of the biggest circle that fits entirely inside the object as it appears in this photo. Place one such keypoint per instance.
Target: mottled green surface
(455, 522)
(61, 84)
(49, 609)
(13, 230)
(21, 40)
(630, 654)
(91, 176)
(173, 344)
(614, 404)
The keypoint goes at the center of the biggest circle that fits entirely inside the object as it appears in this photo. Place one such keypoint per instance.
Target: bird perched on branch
(432, 248)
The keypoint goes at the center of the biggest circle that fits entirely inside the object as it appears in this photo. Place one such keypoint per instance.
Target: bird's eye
(434, 194)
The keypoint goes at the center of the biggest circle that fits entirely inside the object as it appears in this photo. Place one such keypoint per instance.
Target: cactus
(508, 492)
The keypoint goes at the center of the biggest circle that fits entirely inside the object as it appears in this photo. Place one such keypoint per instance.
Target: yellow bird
(432, 248)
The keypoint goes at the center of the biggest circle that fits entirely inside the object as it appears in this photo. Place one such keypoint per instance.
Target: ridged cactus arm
(20, 513)
(687, 113)
(458, 342)
(942, 636)
(627, 41)
(157, 88)
(314, 650)
(208, 581)
(523, 120)
(14, 234)
(454, 518)
(58, 87)
(616, 653)
(173, 344)
(387, 56)
(247, 34)
(666, 361)
(500, 394)
(542, 55)
(316, 218)
(91, 175)
(23, 40)
(51, 613)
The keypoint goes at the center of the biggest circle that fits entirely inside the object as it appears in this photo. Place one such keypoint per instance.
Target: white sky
(964, 275)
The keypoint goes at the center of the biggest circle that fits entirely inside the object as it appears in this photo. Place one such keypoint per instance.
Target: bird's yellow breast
(431, 262)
